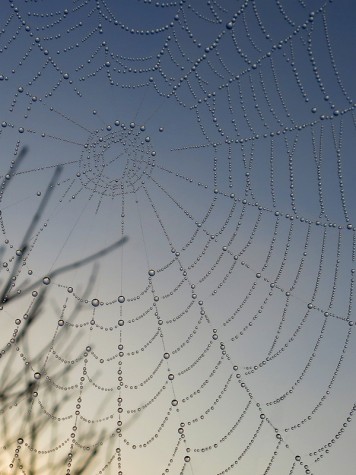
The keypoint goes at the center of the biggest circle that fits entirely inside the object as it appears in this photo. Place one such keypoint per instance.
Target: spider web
(178, 258)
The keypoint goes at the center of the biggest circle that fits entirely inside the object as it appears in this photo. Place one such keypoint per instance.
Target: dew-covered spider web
(178, 243)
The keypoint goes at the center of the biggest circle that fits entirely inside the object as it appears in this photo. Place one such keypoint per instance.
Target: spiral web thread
(199, 158)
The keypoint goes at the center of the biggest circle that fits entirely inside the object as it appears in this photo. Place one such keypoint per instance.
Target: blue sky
(210, 143)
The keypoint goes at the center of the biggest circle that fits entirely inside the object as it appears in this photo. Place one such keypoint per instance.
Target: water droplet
(37, 375)
(151, 272)
(95, 302)
(46, 280)
(121, 299)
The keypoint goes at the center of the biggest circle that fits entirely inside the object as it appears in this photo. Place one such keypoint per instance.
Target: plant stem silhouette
(17, 386)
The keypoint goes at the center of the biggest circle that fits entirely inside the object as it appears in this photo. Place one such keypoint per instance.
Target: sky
(178, 237)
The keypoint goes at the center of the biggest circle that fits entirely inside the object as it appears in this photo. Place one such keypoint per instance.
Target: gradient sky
(201, 158)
